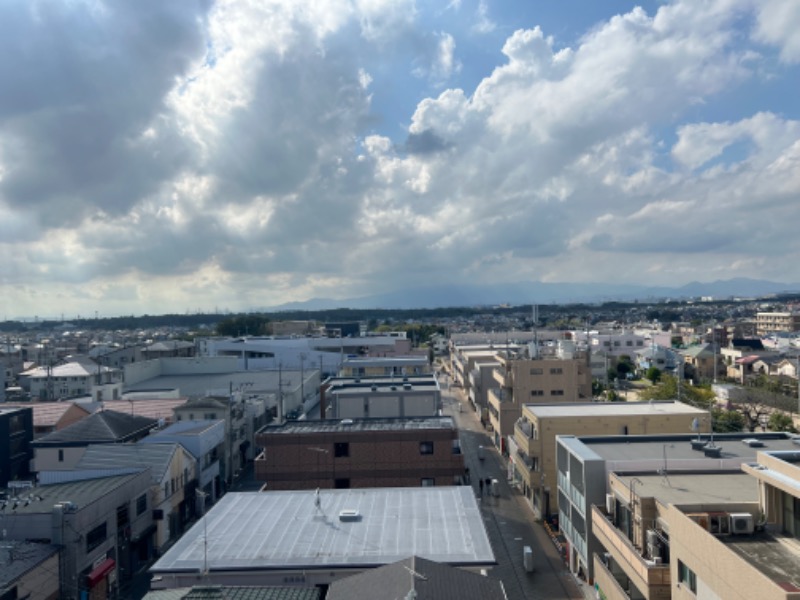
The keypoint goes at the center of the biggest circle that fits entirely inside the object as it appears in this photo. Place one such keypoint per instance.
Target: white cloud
(778, 23)
(483, 23)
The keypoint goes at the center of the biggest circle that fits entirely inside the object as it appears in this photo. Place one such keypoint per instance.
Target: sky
(198, 155)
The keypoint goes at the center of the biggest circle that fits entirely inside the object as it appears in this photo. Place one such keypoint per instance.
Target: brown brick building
(360, 453)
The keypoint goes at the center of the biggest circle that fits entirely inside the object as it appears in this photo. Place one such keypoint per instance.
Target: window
(341, 484)
(556, 392)
(341, 449)
(556, 371)
(456, 447)
(629, 343)
(536, 371)
(60, 456)
(427, 482)
(537, 392)
(141, 504)
(96, 537)
(687, 577)
(426, 447)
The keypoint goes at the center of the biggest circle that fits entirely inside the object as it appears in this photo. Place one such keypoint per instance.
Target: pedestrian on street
(480, 485)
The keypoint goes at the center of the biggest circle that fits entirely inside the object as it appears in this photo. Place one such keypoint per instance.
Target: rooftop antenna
(317, 501)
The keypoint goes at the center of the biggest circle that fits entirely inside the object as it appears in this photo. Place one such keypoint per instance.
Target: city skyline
(158, 156)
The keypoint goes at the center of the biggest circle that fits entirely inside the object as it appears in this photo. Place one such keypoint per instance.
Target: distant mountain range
(543, 293)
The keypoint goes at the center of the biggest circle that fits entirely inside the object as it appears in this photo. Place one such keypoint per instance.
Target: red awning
(103, 569)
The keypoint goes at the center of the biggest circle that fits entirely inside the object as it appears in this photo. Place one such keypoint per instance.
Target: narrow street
(509, 522)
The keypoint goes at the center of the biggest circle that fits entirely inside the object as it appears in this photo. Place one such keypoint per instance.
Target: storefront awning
(100, 571)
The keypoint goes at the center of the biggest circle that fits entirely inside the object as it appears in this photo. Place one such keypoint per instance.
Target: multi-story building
(774, 322)
(385, 367)
(562, 377)
(362, 398)
(360, 453)
(16, 434)
(532, 448)
(584, 492)
(686, 536)
(70, 379)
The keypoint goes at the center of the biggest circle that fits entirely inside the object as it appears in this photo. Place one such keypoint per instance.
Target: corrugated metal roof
(107, 426)
(155, 456)
(284, 529)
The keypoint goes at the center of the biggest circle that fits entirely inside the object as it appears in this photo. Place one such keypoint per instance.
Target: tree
(653, 374)
(779, 421)
(755, 403)
(667, 389)
(727, 421)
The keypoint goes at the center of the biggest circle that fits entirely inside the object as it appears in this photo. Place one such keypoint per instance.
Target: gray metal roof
(377, 424)
(283, 529)
(155, 456)
(210, 592)
(429, 580)
(42, 498)
(106, 426)
(17, 558)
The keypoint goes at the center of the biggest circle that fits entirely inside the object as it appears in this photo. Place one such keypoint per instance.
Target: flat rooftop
(284, 530)
(675, 451)
(694, 488)
(362, 385)
(604, 409)
(349, 425)
(776, 556)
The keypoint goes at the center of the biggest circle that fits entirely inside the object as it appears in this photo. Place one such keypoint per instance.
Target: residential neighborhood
(148, 466)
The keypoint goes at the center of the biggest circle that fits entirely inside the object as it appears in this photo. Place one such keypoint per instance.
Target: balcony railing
(525, 427)
(651, 579)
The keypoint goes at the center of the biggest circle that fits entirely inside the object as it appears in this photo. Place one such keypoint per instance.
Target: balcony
(526, 427)
(606, 583)
(652, 580)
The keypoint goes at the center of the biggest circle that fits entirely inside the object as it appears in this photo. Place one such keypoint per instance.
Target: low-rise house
(62, 449)
(206, 441)
(418, 578)
(75, 377)
(52, 416)
(103, 527)
(173, 472)
(28, 570)
(360, 453)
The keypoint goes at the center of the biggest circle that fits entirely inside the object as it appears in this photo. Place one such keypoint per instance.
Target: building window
(456, 447)
(60, 456)
(537, 392)
(536, 371)
(141, 504)
(556, 371)
(629, 343)
(426, 447)
(341, 449)
(427, 482)
(687, 577)
(96, 537)
(556, 392)
(341, 484)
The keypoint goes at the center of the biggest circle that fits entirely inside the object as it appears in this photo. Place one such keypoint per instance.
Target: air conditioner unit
(652, 537)
(742, 523)
(611, 504)
(654, 551)
(658, 560)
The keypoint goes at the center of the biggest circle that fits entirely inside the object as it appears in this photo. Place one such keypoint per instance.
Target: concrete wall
(46, 459)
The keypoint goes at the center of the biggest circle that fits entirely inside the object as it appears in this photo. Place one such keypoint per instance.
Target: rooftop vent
(346, 422)
(406, 386)
(349, 514)
(753, 442)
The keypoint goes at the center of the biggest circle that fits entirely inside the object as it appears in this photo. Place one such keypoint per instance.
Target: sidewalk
(509, 522)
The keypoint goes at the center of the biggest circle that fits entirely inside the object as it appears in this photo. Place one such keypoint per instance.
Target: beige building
(532, 447)
(563, 377)
(772, 322)
(732, 536)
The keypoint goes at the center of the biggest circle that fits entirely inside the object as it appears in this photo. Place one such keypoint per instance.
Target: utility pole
(302, 381)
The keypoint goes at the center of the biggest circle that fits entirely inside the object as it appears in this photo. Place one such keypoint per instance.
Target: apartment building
(563, 377)
(586, 493)
(70, 379)
(532, 447)
(360, 453)
(702, 535)
(16, 435)
(775, 322)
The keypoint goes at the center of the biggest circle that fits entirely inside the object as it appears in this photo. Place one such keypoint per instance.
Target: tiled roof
(104, 427)
(46, 414)
(430, 580)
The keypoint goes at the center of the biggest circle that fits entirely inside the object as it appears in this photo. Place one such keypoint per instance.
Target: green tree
(667, 389)
(727, 421)
(253, 324)
(779, 421)
(653, 374)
